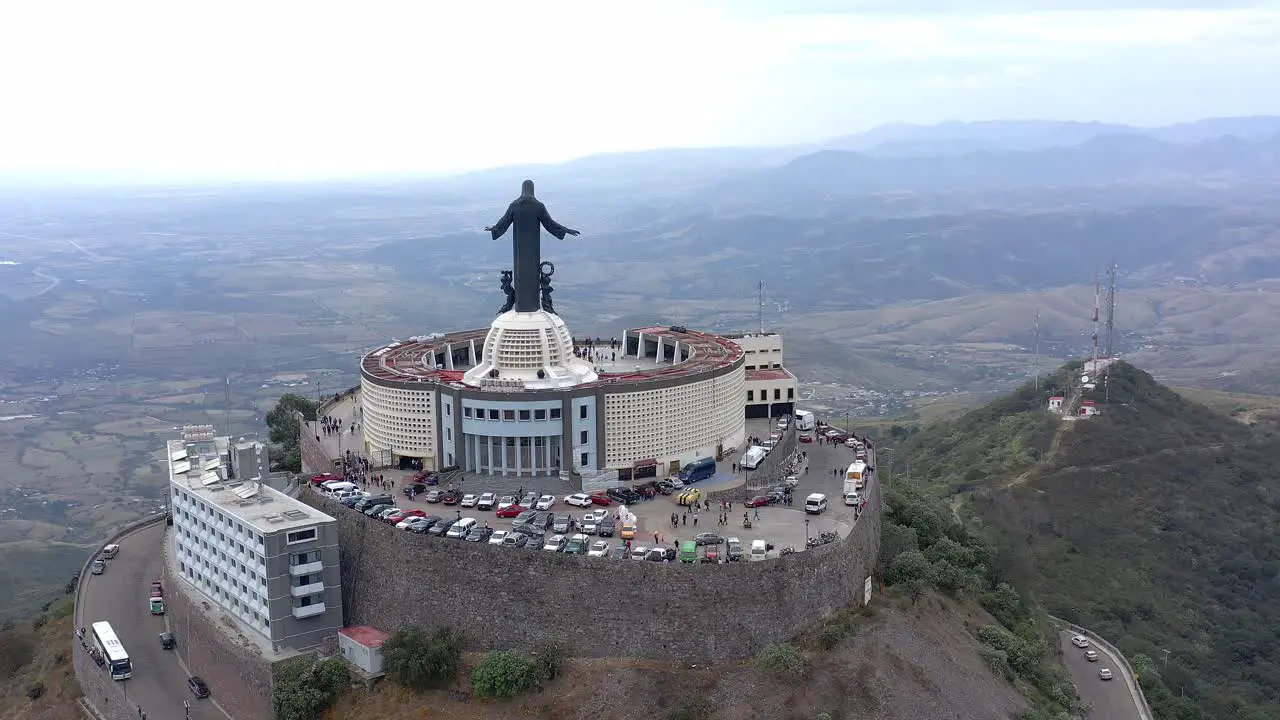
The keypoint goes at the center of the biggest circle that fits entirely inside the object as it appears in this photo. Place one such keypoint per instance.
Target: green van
(688, 551)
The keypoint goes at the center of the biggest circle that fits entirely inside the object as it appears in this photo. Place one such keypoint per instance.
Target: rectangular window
(448, 409)
(582, 437)
(493, 413)
(583, 460)
(539, 414)
(525, 415)
(448, 434)
(555, 413)
(777, 393)
(466, 412)
(751, 395)
(299, 536)
(791, 393)
(508, 414)
(582, 412)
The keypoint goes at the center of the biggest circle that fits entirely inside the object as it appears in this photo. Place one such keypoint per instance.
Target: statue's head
(526, 189)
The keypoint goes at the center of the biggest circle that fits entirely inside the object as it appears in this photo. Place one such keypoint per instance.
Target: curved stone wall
(504, 598)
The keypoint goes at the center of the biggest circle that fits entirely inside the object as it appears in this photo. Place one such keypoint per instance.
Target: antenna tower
(1097, 301)
(1037, 365)
(226, 408)
(760, 309)
(1111, 310)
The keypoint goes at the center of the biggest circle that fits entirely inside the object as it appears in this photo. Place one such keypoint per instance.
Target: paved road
(119, 596)
(1109, 699)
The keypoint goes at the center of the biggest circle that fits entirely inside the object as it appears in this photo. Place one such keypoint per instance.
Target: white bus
(117, 660)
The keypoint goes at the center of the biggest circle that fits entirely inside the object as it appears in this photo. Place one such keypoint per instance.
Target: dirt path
(1055, 444)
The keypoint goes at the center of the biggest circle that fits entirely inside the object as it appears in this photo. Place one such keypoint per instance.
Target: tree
(420, 661)
(282, 422)
(504, 673)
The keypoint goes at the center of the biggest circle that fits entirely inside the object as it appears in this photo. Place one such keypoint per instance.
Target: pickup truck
(156, 600)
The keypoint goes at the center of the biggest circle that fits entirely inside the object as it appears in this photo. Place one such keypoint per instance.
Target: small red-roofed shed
(362, 646)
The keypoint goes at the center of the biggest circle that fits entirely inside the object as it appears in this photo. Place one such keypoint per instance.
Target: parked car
(577, 545)
(412, 522)
(505, 502)
(529, 499)
(425, 524)
(413, 489)
(599, 548)
(382, 516)
(708, 538)
(470, 500)
(589, 523)
(618, 552)
(545, 502)
(528, 530)
(689, 497)
(542, 520)
(555, 543)
(498, 536)
(578, 500)
(511, 511)
(433, 496)
(479, 534)
(562, 523)
(487, 501)
(734, 550)
(450, 497)
(167, 640)
(758, 501)
(604, 528)
(601, 498)
(711, 554)
(376, 510)
(514, 539)
(639, 551)
(441, 528)
(524, 516)
(198, 687)
(397, 518)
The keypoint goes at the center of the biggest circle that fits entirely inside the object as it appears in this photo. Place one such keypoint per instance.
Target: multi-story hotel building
(266, 559)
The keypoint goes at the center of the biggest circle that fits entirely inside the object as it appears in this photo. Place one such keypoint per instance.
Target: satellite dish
(1084, 378)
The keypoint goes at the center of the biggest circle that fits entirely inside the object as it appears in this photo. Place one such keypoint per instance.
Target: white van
(759, 550)
(752, 457)
(815, 503)
(110, 551)
(461, 529)
(852, 498)
(340, 487)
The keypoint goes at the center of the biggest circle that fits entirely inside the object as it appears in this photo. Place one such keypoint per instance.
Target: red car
(806, 438)
(451, 498)
(401, 516)
(511, 511)
(323, 478)
(599, 498)
(758, 501)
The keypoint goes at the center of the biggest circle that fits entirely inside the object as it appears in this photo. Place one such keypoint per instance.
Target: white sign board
(866, 591)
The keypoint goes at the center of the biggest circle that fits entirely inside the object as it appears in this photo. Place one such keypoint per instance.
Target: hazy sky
(279, 89)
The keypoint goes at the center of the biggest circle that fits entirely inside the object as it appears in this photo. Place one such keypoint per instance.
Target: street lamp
(806, 531)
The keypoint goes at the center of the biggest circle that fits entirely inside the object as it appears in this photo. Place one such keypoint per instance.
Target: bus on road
(117, 660)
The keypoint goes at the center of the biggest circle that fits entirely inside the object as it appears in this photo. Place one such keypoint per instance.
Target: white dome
(520, 345)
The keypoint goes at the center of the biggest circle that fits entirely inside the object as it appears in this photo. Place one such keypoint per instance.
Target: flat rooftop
(412, 361)
(263, 508)
(770, 374)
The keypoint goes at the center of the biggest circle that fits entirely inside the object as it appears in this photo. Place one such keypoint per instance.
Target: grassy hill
(1155, 524)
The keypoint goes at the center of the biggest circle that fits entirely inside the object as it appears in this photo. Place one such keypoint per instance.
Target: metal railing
(1126, 670)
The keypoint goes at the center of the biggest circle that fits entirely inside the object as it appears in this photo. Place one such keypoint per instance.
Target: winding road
(1108, 699)
(119, 596)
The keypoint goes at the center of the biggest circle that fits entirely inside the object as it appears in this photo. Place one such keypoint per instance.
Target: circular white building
(522, 398)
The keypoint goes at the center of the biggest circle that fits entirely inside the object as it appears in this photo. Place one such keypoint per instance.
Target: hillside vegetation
(1154, 524)
(37, 681)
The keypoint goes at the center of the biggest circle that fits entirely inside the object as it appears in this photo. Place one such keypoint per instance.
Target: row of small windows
(243, 610)
(777, 394)
(480, 413)
(254, 571)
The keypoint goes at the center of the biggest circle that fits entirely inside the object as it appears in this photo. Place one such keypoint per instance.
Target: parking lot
(781, 525)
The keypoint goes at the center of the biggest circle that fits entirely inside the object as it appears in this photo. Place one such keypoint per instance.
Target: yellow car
(628, 531)
(689, 497)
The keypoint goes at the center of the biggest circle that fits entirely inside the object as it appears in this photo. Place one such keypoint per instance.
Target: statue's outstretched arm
(552, 226)
(500, 227)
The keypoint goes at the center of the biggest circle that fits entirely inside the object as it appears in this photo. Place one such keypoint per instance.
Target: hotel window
(555, 413)
(583, 460)
(300, 536)
(539, 414)
(791, 393)
(777, 393)
(583, 437)
(508, 414)
(466, 412)
(448, 409)
(751, 395)
(493, 414)
(582, 411)
(525, 415)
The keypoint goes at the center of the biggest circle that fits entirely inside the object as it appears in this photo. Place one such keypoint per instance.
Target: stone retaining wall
(596, 607)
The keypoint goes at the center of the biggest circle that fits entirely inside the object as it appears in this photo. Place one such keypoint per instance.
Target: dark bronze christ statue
(524, 216)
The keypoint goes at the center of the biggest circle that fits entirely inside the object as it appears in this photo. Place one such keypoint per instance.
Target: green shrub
(550, 659)
(505, 673)
(302, 689)
(783, 659)
(35, 690)
(418, 660)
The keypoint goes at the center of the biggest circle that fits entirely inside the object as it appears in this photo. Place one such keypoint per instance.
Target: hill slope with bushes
(1155, 524)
